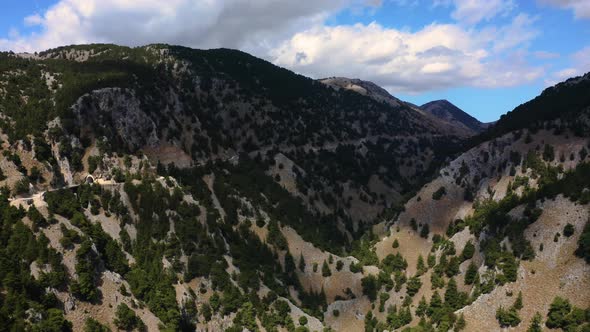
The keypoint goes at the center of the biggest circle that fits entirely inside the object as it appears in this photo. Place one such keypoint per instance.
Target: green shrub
(22, 186)
(370, 287)
(471, 275)
(468, 251)
(413, 286)
(414, 224)
(583, 250)
(439, 193)
(92, 325)
(301, 263)
(548, 153)
(565, 316)
(508, 317)
(568, 230)
(425, 231)
(302, 320)
(326, 270)
(126, 319)
(536, 323)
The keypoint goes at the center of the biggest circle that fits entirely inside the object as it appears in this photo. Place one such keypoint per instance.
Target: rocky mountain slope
(164, 188)
(191, 106)
(441, 113)
(445, 110)
(365, 88)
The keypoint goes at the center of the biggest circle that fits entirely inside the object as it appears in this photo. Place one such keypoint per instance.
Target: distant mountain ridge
(436, 110)
(366, 88)
(445, 110)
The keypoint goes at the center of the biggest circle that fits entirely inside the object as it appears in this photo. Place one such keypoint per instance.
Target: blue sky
(485, 56)
(559, 33)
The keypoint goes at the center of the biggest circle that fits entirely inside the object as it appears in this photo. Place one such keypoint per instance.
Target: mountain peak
(366, 88)
(445, 110)
(379, 94)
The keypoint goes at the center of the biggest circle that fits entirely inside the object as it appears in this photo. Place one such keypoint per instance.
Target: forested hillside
(166, 188)
(445, 110)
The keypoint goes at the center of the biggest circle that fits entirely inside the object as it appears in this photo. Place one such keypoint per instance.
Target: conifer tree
(301, 263)
(326, 270)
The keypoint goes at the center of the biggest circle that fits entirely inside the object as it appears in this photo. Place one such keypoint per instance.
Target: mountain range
(444, 113)
(164, 188)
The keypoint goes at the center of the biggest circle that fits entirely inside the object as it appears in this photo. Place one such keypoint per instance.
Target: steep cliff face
(174, 189)
(116, 114)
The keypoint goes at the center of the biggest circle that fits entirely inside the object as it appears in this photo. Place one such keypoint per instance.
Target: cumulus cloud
(294, 34)
(435, 57)
(202, 23)
(581, 8)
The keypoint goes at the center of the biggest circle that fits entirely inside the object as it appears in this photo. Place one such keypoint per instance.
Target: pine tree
(126, 319)
(437, 280)
(435, 304)
(468, 251)
(92, 325)
(471, 274)
(507, 317)
(370, 287)
(460, 324)
(536, 323)
(422, 307)
(452, 267)
(301, 263)
(326, 270)
(559, 309)
(425, 231)
(518, 302)
(405, 316)
(370, 321)
(431, 260)
(452, 296)
(413, 286)
(420, 266)
(289, 263)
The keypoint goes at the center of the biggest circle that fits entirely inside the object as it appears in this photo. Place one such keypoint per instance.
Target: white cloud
(242, 24)
(294, 34)
(579, 65)
(544, 55)
(517, 33)
(35, 19)
(582, 59)
(436, 67)
(581, 8)
(474, 11)
(437, 56)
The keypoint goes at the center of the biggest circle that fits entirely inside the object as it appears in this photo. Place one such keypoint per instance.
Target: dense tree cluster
(567, 317)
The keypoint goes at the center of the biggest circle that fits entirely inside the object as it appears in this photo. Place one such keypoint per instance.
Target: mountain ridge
(166, 188)
(446, 110)
(378, 93)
